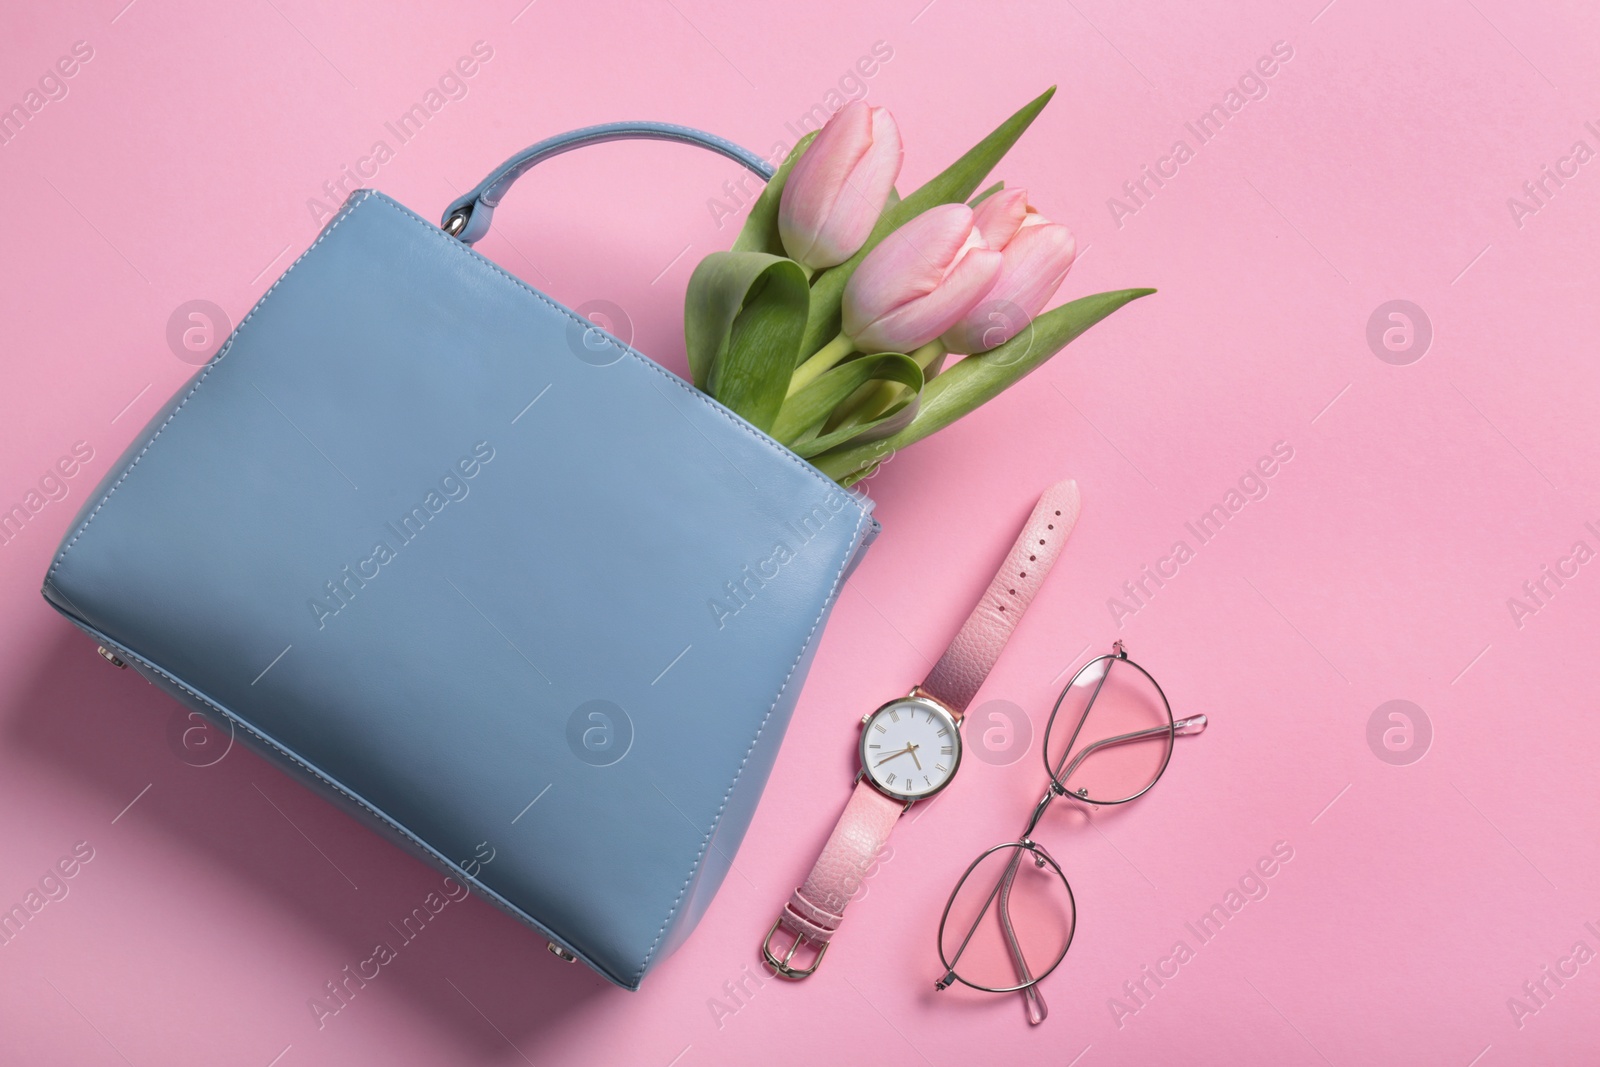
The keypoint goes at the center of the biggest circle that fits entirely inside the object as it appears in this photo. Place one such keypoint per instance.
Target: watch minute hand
(892, 755)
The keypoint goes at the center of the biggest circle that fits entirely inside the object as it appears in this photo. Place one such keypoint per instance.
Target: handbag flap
(486, 572)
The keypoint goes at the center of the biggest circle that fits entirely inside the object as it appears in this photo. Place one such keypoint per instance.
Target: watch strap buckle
(782, 967)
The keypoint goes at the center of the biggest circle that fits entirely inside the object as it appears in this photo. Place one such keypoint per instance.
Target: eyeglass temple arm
(1037, 1009)
(1192, 725)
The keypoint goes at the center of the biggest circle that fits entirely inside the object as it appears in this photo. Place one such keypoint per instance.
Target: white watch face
(910, 748)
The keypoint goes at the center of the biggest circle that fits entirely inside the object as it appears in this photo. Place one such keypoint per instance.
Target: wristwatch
(910, 748)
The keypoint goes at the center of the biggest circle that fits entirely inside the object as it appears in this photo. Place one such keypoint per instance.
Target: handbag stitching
(349, 208)
(861, 516)
(83, 527)
(273, 743)
(716, 819)
(494, 897)
(627, 350)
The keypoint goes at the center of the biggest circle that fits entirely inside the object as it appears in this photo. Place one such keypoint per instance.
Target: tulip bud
(1035, 257)
(839, 186)
(919, 282)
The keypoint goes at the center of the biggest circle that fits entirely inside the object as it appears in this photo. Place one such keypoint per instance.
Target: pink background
(1419, 498)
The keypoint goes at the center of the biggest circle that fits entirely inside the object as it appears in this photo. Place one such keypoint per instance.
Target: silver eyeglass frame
(1059, 775)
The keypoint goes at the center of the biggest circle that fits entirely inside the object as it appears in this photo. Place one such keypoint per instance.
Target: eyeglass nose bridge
(1038, 813)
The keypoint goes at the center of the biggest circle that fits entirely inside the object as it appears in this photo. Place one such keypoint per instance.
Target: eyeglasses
(1010, 919)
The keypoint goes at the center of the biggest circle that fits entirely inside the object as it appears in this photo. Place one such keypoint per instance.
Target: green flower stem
(929, 352)
(824, 359)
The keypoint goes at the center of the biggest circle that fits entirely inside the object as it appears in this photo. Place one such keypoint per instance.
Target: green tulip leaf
(976, 380)
(760, 232)
(953, 185)
(869, 403)
(804, 413)
(863, 428)
(742, 319)
(879, 426)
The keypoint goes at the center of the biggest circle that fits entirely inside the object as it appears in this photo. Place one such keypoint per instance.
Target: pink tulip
(919, 282)
(839, 185)
(1036, 255)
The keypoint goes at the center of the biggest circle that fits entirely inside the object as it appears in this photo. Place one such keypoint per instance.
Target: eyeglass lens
(1009, 922)
(1111, 734)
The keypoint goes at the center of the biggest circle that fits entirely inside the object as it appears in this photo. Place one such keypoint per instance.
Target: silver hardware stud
(112, 658)
(560, 953)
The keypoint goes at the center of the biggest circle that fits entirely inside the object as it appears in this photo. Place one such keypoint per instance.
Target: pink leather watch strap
(816, 908)
(960, 672)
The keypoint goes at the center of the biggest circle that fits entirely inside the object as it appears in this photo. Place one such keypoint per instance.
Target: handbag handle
(467, 219)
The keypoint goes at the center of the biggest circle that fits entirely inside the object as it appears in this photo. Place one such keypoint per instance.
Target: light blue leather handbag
(477, 570)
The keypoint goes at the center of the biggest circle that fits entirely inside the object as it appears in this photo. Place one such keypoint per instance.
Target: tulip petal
(1036, 262)
(1000, 216)
(866, 191)
(838, 188)
(760, 230)
(918, 321)
(911, 262)
(817, 177)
